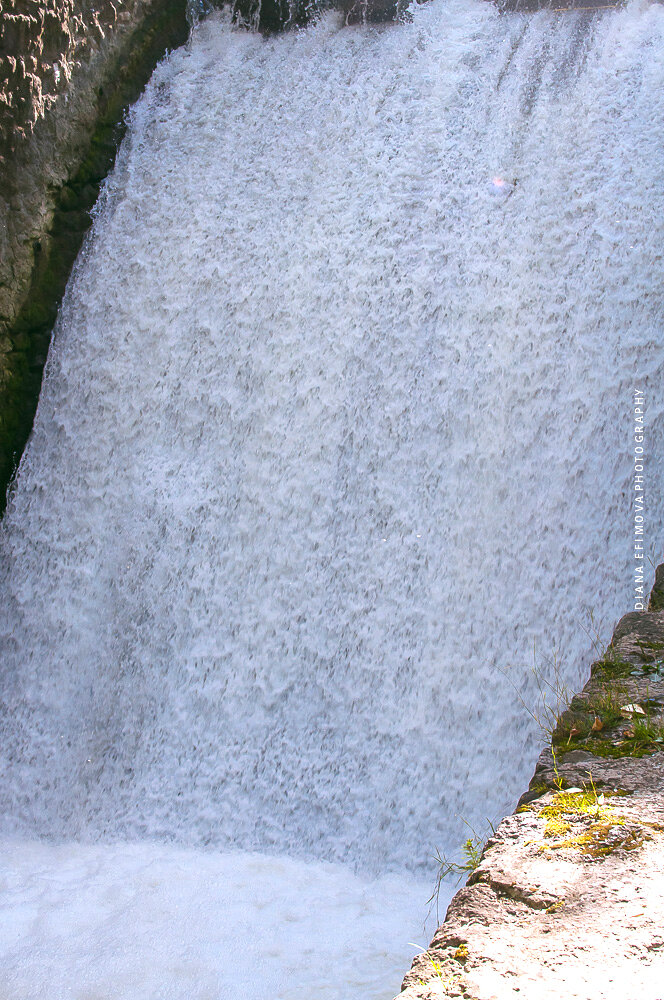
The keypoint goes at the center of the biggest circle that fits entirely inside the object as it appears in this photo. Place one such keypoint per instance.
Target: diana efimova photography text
(639, 494)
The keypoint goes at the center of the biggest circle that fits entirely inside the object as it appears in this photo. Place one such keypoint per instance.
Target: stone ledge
(567, 900)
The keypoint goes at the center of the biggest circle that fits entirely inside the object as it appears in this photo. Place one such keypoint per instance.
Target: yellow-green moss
(594, 841)
(556, 827)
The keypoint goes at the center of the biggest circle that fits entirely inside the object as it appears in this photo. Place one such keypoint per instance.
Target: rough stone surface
(567, 900)
(68, 69)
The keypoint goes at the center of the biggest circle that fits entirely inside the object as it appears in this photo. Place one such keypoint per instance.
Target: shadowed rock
(278, 15)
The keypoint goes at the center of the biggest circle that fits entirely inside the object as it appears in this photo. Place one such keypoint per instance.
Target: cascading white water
(334, 429)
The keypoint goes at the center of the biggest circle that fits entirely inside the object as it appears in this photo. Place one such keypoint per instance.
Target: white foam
(146, 921)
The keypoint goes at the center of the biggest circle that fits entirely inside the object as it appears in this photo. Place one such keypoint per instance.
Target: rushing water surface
(336, 427)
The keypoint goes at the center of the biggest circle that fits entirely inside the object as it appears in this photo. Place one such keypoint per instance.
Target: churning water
(336, 426)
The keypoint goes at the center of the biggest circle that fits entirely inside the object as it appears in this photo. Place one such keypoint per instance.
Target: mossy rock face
(27, 336)
(611, 667)
(602, 748)
(576, 720)
(273, 15)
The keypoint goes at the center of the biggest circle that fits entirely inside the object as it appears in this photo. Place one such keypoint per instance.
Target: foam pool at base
(147, 921)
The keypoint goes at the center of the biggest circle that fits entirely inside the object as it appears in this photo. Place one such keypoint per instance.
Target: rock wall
(68, 70)
(567, 899)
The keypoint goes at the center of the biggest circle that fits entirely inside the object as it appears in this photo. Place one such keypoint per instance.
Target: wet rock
(373, 11)
(278, 15)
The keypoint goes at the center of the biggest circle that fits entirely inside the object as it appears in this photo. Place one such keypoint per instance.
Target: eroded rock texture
(68, 70)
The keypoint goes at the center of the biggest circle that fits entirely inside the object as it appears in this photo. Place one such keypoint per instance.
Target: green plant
(632, 730)
(610, 663)
(472, 850)
(611, 667)
(607, 703)
(576, 803)
(648, 731)
(558, 781)
(580, 819)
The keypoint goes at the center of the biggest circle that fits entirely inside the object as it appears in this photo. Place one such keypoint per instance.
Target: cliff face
(567, 897)
(68, 70)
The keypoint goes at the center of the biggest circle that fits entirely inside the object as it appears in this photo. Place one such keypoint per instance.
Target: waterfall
(333, 436)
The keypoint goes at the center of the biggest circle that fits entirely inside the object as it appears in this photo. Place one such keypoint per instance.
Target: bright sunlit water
(335, 431)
